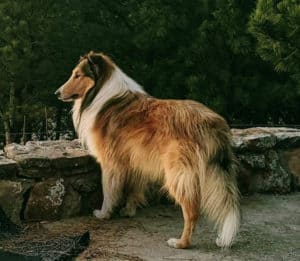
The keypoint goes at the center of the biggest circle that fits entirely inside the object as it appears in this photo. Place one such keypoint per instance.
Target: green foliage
(276, 26)
(237, 57)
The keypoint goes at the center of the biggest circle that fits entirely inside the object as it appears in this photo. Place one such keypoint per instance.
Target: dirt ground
(270, 231)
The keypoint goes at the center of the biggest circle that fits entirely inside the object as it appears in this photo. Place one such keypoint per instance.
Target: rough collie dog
(139, 139)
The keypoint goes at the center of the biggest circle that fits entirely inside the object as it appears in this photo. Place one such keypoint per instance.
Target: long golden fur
(139, 139)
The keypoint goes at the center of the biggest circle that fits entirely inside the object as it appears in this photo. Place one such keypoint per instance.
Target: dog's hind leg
(112, 187)
(134, 200)
(182, 183)
(190, 215)
(135, 195)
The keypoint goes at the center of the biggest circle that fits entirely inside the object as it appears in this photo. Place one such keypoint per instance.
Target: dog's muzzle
(57, 93)
(65, 99)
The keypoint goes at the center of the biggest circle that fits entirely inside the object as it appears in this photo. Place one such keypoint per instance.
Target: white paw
(101, 214)
(221, 243)
(218, 242)
(127, 212)
(172, 242)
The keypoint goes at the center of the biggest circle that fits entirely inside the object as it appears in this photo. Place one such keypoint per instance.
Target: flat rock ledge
(50, 180)
(269, 159)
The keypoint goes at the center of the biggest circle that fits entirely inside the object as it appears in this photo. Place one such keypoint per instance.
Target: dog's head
(87, 77)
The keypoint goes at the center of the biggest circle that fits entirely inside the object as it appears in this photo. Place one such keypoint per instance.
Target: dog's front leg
(112, 187)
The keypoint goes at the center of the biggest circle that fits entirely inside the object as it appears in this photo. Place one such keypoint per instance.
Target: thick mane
(101, 67)
(112, 83)
(119, 102)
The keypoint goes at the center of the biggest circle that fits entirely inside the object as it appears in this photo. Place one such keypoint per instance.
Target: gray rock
(287, 138)
(45, 200)
(86, 183)
(256, 161)
(50, 158)
(12, 197)
(277, 181)
(253, 139)
(31, 161)
(290, 160)
(262, 169)
(6, 225)
(8, 168)
(272, 160)
(16, 149)
(274, 178)
(69, 161)
(58, 144)
(54, 199)
(265, 138)
(71, 203)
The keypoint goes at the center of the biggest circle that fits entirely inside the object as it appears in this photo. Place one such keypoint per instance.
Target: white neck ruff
(117, 84)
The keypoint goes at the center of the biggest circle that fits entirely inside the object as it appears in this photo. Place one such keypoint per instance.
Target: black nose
(57, 93)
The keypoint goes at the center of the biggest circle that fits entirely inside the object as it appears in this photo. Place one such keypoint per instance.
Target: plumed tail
(220, 201)
(229, 228)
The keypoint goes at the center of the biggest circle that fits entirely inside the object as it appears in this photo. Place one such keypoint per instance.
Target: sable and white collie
(138, 139)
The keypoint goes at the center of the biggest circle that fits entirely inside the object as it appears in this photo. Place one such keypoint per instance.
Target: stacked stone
(48, 180)
(269, 159)
(51, 180)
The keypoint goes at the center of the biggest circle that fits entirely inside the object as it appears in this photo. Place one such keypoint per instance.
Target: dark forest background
(240, 57)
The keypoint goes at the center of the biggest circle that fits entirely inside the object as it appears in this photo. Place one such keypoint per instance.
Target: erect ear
(95, 68)
(100, 64)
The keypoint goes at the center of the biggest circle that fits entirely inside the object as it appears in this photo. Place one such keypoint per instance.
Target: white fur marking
(229, 229)
(117, 84)
(172, 242)
(100, 214)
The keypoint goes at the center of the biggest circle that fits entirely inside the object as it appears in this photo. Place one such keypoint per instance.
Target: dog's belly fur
(146, 161)
(128, 155)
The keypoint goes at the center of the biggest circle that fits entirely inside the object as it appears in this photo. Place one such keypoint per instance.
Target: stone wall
(269, 159)
(50, 180)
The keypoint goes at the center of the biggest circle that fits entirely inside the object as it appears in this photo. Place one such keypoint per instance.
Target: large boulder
(48, 159)
(45, 200)
(57, 198)
(65, 180)
(254, 139)
(268, 159)
(8, 168)
(290, 160)
(261, 139)
(6, 225)
(12, 194)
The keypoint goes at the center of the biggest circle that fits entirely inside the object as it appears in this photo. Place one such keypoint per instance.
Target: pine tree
(276, 26)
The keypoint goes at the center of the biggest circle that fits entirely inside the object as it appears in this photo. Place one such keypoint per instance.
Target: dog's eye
(76, 76)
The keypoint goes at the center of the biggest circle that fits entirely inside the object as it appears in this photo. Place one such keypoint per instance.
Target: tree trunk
(43, 130)
(23, 139)
(11, 106)
(46, 123)
(8, 118)
(7, 131)
(58, 123)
